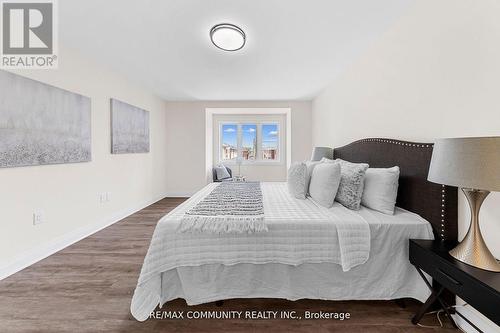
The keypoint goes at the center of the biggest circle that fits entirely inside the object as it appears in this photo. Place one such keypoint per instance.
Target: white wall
(68, 193)
(186, 140)
(435, 73)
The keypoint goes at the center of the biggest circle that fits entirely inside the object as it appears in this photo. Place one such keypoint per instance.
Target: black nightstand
(479, 288)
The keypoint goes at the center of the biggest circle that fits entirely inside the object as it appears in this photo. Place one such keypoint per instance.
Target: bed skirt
(325, 281)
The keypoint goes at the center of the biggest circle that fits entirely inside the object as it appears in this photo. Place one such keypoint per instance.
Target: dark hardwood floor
(88, 287)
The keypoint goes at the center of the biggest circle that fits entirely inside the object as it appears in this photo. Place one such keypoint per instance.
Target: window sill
(256, 163)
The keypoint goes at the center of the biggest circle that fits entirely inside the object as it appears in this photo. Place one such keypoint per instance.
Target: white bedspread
(300, 231)
(387, 275)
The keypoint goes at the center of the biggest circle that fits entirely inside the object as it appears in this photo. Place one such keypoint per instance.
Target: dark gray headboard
(436, 203)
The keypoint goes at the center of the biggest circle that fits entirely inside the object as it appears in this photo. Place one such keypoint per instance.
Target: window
(270, 142)
(249, 141)
(229, 141)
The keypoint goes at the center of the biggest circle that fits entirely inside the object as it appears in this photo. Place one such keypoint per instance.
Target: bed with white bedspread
(309, 251)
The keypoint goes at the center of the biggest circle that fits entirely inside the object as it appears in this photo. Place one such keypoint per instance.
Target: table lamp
(320, 152)
(473, 164)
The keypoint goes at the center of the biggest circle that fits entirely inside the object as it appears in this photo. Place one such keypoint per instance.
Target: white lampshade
(467, 162)
(320, 152)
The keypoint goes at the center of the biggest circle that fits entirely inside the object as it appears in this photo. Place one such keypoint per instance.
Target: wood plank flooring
(88, 287)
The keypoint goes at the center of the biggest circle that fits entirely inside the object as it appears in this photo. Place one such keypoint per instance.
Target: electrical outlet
(104, 197)
(38, 217)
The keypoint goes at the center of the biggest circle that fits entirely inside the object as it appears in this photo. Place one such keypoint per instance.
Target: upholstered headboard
(436, 203)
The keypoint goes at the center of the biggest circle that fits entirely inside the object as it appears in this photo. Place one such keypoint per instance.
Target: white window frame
(210, 130)
(258, 155)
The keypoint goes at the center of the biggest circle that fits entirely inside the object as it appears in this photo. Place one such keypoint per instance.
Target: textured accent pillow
(351, 183)
(324, 184)
(310, 167)
(297, 180)
(381, 189)
(222, 172)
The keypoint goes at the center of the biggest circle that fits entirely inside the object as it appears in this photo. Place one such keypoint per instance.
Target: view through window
(270, 142)
(251, 142)
(229, 141)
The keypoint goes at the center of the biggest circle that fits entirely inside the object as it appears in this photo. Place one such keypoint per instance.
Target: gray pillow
(297, 180)
(381, 189)
(324, 184)
(351, 183)
(222, 172)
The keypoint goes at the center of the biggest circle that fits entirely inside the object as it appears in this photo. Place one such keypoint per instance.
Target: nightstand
(239, 179)
(479, 288)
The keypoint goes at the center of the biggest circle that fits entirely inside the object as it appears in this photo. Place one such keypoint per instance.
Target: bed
(309, 251)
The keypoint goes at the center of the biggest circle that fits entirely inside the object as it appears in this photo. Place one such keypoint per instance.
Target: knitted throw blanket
(232, 207)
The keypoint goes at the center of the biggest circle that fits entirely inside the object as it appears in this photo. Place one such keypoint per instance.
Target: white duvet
(300, 231)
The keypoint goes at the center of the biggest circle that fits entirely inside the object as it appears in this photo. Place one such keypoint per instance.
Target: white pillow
(381, 189)
(297, 180)
(324, 184)
(310, 166)
(222, 172)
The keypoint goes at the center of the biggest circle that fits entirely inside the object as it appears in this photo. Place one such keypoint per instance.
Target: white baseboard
(43, 251)
(483, 323)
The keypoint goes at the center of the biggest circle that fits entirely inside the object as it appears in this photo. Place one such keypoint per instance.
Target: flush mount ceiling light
(227, 37)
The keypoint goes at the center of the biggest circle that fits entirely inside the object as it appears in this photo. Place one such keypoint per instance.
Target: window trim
(258, 160)
(211, 113)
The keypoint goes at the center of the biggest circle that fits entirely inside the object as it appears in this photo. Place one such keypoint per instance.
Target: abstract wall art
(129, 128)
(41, 124)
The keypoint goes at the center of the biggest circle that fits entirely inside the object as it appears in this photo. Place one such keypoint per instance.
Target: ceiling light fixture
(227, 37)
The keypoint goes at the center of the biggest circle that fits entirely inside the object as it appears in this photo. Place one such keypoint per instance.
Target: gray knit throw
(232, 207)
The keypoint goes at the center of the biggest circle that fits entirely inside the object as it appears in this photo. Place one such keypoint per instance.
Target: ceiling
(293, 50)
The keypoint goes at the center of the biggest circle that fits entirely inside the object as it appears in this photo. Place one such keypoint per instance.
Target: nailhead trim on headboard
(442, 227)
(395, 142)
